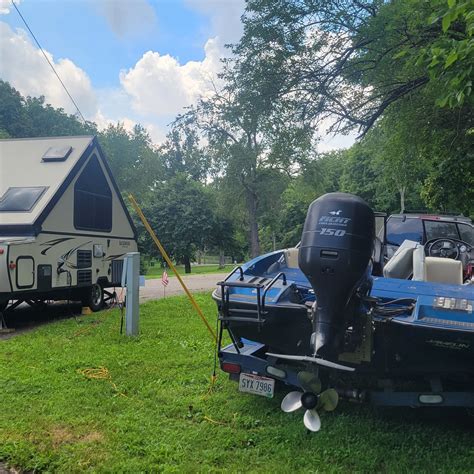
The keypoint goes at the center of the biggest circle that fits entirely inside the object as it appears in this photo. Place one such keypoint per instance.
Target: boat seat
(401, 264)
(419, 263)
(436, 269)
(291, 257)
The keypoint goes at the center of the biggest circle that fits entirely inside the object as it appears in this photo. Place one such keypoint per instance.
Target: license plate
(256, 384)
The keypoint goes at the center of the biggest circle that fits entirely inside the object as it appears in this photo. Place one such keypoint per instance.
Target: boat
(315, 318)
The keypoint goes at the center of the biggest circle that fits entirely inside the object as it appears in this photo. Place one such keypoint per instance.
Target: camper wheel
(94, 297)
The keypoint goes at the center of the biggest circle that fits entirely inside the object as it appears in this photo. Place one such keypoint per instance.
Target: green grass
(157, 272)
(155, 414)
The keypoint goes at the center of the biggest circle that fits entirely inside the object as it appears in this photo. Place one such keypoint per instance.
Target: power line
(49, 62)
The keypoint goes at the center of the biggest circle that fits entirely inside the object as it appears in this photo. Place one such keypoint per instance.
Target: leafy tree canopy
(350, 60)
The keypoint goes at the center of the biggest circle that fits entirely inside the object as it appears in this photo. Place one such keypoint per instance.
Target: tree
(30, 117)
(450, 58)
(12, 114)
(246, 136)
(136, 164)
(350, 60)
(181, 214)
(182, 154)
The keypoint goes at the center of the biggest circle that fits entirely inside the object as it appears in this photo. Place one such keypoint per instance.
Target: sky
(133, 61)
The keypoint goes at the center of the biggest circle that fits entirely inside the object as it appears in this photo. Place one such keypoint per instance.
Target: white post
(132, 273)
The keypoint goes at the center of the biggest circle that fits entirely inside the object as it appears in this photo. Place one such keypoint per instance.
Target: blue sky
(133, 61)
(78, 30)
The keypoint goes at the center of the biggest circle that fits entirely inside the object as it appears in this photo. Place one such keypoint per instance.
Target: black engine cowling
(335, 252)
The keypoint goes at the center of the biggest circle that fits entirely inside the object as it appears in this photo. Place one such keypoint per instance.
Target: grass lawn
(157, 272)
(154, 412)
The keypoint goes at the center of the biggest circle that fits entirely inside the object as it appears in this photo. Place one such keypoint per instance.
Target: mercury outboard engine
(335, 252)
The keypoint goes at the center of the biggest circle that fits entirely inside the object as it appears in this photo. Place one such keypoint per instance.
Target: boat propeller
(311, 399)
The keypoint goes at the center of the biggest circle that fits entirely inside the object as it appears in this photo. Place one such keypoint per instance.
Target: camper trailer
(64, 228)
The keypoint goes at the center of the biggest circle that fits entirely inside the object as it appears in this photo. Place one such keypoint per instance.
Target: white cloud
(128, 17)
(23, 65)
(25, 68)
(152, 92)
(224, 17)
(6, 6)
(160, 86)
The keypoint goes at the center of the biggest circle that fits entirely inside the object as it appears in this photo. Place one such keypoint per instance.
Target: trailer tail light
(230, 368)
(12, 265)
(2, 251)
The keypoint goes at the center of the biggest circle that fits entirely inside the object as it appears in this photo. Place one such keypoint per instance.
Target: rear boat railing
(226, 312)
(261, 290)
(275, 279)
(241, 271)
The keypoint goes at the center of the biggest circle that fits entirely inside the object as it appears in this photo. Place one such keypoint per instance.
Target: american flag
(164, 279)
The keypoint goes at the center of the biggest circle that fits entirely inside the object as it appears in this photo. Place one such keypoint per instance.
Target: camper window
(21, 199)
(92, 199)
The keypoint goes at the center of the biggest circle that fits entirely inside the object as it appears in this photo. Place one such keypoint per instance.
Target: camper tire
(94, 297)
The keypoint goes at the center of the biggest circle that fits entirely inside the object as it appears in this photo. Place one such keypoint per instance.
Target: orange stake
(170, 264)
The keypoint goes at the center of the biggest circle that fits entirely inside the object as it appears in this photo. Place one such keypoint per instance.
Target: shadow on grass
(25, 317)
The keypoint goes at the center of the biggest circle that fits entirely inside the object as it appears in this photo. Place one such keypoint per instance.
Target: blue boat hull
(430, 339)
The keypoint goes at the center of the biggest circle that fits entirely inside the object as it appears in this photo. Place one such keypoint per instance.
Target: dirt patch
(60, 435)
(6, 470)
(92, 437)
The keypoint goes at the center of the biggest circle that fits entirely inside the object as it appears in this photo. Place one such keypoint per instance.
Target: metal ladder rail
(225, 298)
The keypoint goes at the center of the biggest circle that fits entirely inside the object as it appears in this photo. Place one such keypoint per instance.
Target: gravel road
(154, 289)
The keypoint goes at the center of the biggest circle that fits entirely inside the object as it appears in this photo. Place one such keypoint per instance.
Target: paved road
(25, 318)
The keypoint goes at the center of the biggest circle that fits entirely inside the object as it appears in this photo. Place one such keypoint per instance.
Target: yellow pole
(170, 263)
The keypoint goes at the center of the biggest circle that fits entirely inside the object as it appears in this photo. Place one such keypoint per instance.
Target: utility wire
(49, 62)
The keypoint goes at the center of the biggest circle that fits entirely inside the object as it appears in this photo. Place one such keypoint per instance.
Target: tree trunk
(253, 224)
(402, 199)
(274, 241)
(187, 264)
(221, 259)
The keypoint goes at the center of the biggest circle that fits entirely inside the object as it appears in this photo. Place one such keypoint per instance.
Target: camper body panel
(21, 164)
(77, 238)
(62, 216)
(32, 266)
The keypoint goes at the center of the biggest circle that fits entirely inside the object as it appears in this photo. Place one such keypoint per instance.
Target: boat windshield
(449, 230)
(467, 233)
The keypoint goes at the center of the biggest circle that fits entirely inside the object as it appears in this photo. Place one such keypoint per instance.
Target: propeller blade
(309, 381)
(291, 402)
(314, 360)
(328, 400)
(311, 420)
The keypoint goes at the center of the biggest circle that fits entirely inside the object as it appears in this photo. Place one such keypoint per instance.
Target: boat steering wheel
(446, 248)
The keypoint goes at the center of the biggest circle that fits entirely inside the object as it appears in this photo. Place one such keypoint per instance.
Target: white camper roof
(34, 175)
(22, 165)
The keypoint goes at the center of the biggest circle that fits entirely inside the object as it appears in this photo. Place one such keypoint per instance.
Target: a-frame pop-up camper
(64, 228)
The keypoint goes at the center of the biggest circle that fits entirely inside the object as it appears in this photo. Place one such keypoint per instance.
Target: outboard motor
(335, 252)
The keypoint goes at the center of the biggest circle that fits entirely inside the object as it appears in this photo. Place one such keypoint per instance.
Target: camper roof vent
(57, 153)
